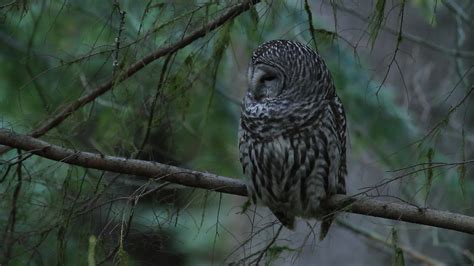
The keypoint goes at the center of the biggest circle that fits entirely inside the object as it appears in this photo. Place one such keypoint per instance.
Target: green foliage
(91, 251)
(462, 167)
(275, 251)
(429, 171)
(428, 9)
(246, 205)
(376, 21)
(398, 258)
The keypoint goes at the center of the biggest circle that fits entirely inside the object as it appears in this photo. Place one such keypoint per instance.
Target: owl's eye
(267, 78)
(265, 82)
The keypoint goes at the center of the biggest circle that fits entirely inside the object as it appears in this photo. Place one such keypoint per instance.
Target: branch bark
(70, 108)
(364, 206)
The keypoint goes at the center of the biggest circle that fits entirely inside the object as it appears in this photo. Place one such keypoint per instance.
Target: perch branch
(70, 108)
(364, 206)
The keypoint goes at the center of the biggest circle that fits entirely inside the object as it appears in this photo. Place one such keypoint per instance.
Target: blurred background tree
(404, 70)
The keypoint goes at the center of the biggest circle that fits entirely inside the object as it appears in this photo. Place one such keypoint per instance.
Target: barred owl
(292, 135)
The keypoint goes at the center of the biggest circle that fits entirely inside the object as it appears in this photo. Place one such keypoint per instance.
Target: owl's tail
(325, 225)
(287, 220)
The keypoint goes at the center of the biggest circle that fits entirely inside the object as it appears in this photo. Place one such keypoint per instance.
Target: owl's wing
(244, 158)
(340, 125)
(340, 119)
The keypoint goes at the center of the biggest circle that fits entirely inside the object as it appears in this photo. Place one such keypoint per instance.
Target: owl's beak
(257, 94)
(256, 91)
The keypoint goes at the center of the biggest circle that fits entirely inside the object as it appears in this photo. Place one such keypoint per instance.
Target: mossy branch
(191, 178)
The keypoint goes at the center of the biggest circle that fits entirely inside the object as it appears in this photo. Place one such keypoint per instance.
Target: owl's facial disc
(265, 82)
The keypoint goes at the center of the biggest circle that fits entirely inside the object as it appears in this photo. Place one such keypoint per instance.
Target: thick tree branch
(68, 109)
(365, 206)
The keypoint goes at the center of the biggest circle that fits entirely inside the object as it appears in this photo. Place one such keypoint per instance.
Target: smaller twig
(8, 4)
(378, 238)
(307, 8)
(453, 6)
(397, 46)
(410, 37)
(248, 241)
(8, 240)
(151, 115)
(118, 38)
(65, 111)
(217, 227)
(264, 251)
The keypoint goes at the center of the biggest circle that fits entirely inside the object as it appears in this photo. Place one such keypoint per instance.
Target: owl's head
(288, 70)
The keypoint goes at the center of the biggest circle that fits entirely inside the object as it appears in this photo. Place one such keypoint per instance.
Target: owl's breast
(282, 170)
(269, 120)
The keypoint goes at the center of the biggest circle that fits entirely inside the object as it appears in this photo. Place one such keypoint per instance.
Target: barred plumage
(292, 136)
